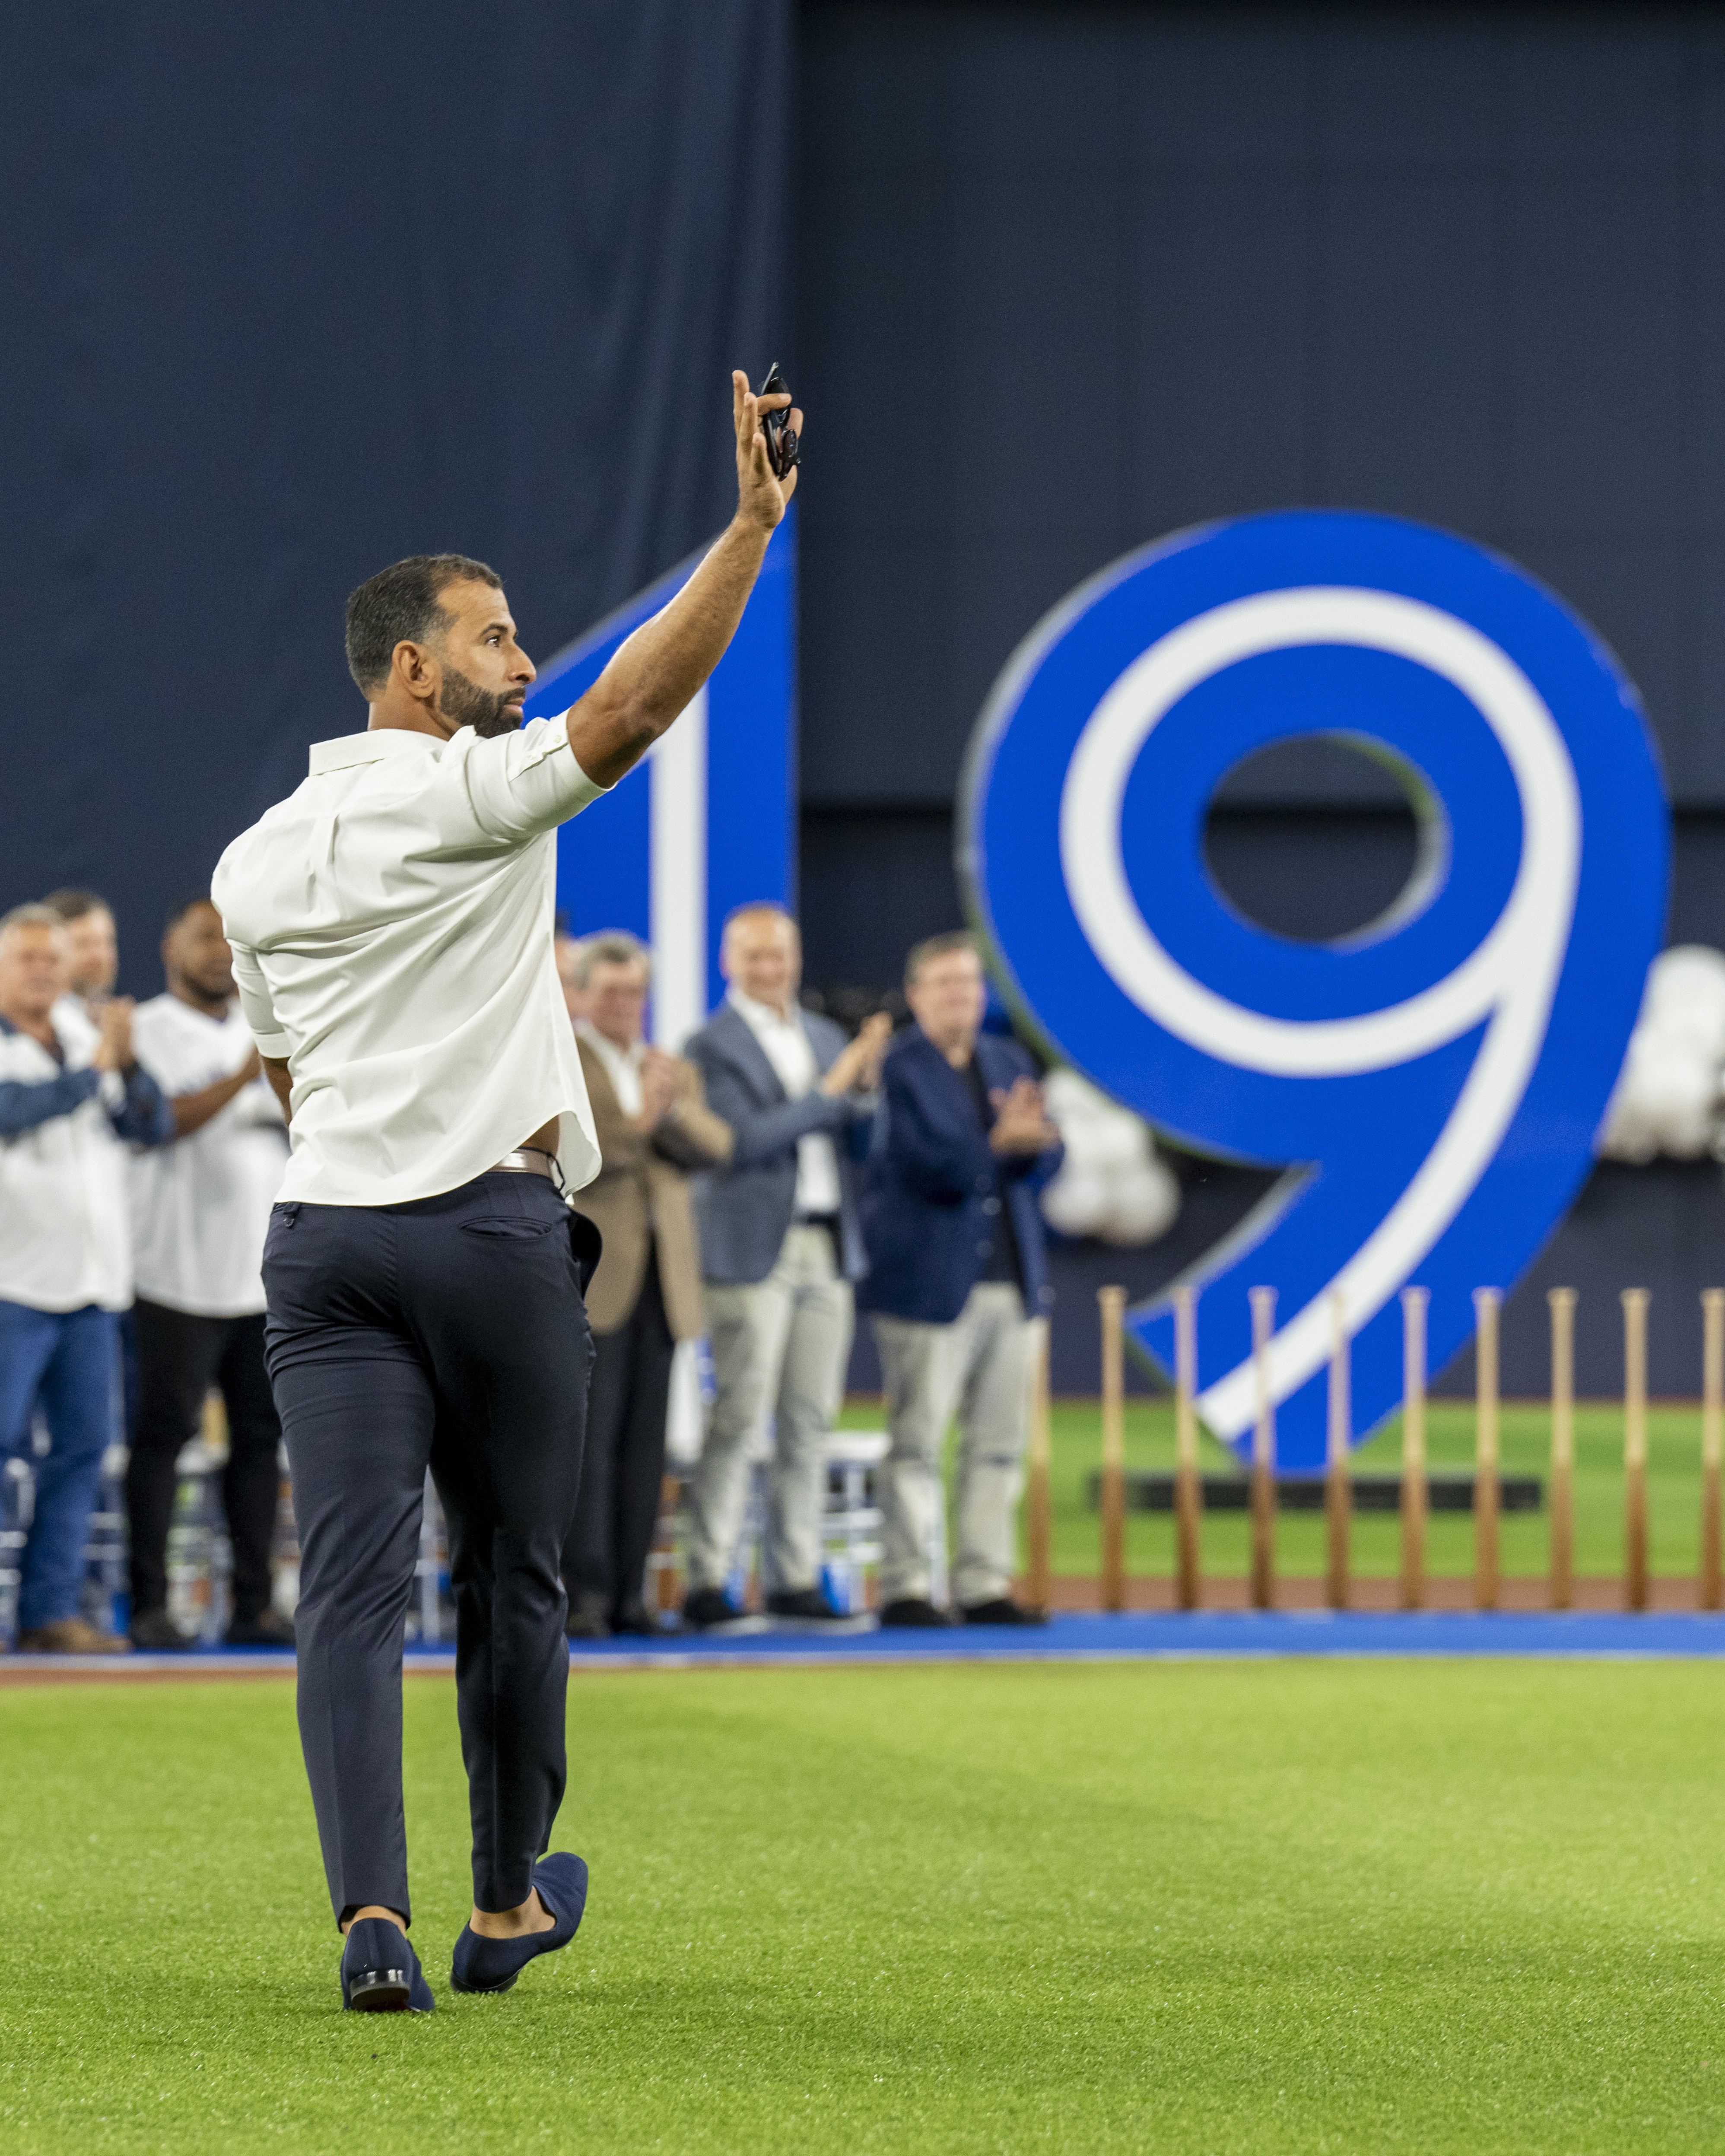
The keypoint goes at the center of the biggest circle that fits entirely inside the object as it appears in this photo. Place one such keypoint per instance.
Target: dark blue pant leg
(80, 1403)
(27, 1338)
(357, 1412)
(491, 1275)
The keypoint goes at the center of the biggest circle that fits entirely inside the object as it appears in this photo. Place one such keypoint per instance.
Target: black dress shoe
(380, 1971)
(915, 1612)
(268, 1628)
(808, 1603)
(1001, 1611)
(707, 1606)
(154, 1632)
(483, 1965)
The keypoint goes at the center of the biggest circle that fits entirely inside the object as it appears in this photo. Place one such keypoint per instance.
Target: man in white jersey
(391, 931)
(200, 1208)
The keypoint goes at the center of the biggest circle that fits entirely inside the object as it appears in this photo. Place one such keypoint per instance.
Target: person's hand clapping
(856, 1068)
(658, 1089)
(761, 494)
(114, 1048)
(1021, 1123)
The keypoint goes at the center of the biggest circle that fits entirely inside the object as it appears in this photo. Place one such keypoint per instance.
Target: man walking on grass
(392, 926)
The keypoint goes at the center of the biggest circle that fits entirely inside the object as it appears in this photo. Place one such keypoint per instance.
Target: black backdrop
(1141, 265)
(290, 292)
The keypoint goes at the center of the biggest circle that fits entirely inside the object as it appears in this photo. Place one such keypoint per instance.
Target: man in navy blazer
(780, 1246)
(957, 1270)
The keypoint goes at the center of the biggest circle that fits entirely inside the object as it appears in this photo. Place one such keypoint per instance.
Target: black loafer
(1001, 1611)
(380, 1971)
(268, 1628)
(914, 1612)
(155, 1633)
(482, 1964)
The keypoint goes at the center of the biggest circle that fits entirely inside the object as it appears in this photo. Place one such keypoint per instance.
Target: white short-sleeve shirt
(391, 923)
(200, 1207)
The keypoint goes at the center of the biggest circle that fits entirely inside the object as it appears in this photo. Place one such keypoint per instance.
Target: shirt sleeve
(26, 1102)
(521, 784)
(255, 1002)
(144, 1116)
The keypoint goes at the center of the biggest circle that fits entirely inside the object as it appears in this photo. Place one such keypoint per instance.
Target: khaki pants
(780, 1348)
(978, 1369)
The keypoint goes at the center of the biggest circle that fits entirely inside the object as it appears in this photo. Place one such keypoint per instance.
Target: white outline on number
(1510, 977)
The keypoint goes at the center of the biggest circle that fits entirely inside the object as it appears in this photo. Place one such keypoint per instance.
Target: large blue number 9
(1434, 1083)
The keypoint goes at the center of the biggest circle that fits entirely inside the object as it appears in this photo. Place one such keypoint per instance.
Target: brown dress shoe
(71, 1636)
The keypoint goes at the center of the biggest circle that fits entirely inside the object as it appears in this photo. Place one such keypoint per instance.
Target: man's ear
(417, 669)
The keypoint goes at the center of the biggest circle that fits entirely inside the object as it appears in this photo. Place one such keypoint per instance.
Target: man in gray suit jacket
(780, 1246)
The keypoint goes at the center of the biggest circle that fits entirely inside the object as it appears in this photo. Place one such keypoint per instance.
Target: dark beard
(469, 706)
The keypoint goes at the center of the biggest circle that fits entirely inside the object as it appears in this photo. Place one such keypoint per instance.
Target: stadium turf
(1270, 1907)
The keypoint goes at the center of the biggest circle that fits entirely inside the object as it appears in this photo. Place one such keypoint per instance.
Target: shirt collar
(369, 748)
(760, 1015)
(608, 1049)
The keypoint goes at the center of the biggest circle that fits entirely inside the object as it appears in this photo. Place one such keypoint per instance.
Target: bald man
(780, 1248)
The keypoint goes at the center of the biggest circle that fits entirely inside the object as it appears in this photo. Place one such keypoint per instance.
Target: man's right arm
(760, 1133)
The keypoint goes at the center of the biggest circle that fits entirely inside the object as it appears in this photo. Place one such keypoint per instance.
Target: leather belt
(525, 1160)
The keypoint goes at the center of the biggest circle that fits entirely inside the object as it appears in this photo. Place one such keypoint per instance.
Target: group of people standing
(139, 1154)
(754, 1189)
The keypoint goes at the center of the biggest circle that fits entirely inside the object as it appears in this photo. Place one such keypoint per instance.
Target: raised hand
(658, 1089)
(113, 1049)
(1021, 1123)
(857, 1065)
(761, 494)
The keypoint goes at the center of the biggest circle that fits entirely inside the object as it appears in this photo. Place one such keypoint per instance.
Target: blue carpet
(1202, 1635)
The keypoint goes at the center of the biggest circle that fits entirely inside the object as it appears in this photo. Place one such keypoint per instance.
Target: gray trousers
(780, 1348)
(978, 1367)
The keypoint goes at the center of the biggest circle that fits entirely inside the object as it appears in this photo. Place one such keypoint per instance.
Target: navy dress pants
(623, 1461)
(449, 1333)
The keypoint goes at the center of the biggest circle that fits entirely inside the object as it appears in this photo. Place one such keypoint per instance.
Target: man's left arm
(144, 1115)
(1034, 1148)
(691, 1136)
(655, 674)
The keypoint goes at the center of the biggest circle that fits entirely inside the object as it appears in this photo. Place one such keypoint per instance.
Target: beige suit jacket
(640, 1192)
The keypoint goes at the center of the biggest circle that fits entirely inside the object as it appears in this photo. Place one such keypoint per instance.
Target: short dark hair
(937, 946)
(177, 914)
(72, 904)
(399, 605)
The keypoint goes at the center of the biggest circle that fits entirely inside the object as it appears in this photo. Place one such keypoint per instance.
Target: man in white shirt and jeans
(391, 931)
(200, 1211)
(72, 1098)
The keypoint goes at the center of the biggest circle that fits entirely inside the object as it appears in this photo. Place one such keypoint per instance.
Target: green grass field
(1293, 1907)
(1674, 1493)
